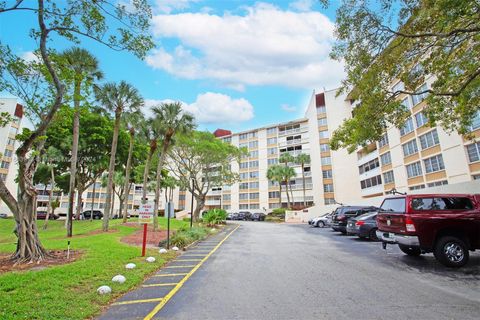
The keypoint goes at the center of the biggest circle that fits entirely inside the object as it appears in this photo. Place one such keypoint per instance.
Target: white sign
(169, 210)
(145, 213)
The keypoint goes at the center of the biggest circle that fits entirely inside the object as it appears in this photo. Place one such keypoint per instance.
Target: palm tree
(84, 67)
(287, 158)
(170, 120)
(287, 174)
(120, 99)
(131, 120)
(149, 133)
(303, 159)
(274, 174)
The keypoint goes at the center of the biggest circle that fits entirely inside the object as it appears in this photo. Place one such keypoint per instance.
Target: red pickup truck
(446, 224)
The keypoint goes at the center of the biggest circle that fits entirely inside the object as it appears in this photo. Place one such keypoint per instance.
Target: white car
(321, 221)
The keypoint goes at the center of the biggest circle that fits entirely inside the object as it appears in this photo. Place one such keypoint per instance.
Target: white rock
(175, 248)
(150, 259)
(131, 266)
(162, 250)
(119, 278)
(104, 290)
(213, 230)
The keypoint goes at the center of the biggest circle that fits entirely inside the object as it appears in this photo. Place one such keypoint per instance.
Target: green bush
(279, 213)
(184, 236)
(215, 216)
(180, 239)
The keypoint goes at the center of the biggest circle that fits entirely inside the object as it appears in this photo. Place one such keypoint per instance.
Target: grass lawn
(69, 291)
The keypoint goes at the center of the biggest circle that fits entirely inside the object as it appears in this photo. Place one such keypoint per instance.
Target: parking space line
(164, 301)
(137, 301)
(159, 285)
(174, 267)
(189, 260)
(193, 255)
(170, 274)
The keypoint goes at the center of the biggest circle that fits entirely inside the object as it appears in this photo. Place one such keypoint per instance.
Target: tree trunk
(303, 178)
(111, 170)
(93, 199)
(112, 202)
(200, 204)
(288, 195)
(161, 160)
(280, 194)
(127, 174)
(79, 202)
(146, 171)
(52, 186)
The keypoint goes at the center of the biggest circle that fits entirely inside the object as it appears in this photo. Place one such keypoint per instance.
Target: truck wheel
(451, 252)
(411, 251)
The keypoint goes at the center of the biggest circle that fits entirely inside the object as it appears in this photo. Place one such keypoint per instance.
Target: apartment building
(8, 145)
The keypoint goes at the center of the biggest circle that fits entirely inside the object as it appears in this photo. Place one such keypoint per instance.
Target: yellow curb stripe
(136, 301)
(174, 267)
(170, 274)
(180, 284)
(159, 285)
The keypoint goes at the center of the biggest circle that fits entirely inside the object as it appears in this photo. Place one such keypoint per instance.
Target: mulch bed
(153, 238)
(58, 257)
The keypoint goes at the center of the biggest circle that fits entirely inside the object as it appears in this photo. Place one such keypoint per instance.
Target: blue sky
(235, 64)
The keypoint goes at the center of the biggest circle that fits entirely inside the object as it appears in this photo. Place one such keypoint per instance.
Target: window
(326, 161)
(271, 151)
(328, 187)
(272, 141)
(243, 145)
(370, 165)
(410, 148)
(253, 144)
(8, 153)
(254, 195)
(418, 96)
(253, 174)
(388, 177)
(272, 161)
(272, 130)
(225, 207)
(243, 136)
(243, 206)
(10, 141)
(406, 103)
(327, 174)
(394, 205)
(273, 194)
(252, 134)
(3, 176)
(5, 165)
(383, 140)
(437, 183)
(243, 165)
(434, 164)
(243, 186)
(13, 131)
(429, 139)
(414, 169)
(227, 139)
(420, 119)
(322, 122)
(227, 197)
(323, 134)
(321, 109)
(329, 201)
(448, 203)
(475, 122)
(253, 164)
(254, 206)
(473, 151)
(399, 86)
(253, 154)
(181, 197)
(274, 205)
(243, 196)
(371, 182)
(476, 177)
(243, 175)
(254, 185)
(407, 127)
(324, 147)
(386, 158)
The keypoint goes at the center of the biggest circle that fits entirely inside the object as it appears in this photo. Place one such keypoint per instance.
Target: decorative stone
(131, 266)
(213, 230)
(104, 290)
(119, 278)
(150, 259)
(162, 250)
(175, 248)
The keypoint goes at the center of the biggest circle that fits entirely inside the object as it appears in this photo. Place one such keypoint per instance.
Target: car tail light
(341, 218)
(409, 224)
(359, 223)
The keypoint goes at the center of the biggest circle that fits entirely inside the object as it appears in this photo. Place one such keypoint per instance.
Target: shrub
(215, 216)
(180, 239)
(279, 212)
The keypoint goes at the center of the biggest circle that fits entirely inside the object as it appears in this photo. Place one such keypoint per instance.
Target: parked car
(364, 226)
(258, 216)
(42, 215)
(247, 215)
(343, 213)
(97, 214)
(321, 221)
(446, 224)
(229, 216)
(3, 216)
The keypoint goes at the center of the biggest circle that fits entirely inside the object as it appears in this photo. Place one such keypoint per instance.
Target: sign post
(145, 216)
(170, 213)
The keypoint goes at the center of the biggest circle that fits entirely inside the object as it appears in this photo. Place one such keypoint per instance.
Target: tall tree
(274, 173)
(43, 98)
(84, 67)
(287, 174)
(415, 42)
(120, 99)
(205, 159)
(287, 158)
(170, 120)
(303, 158)
(150, 134)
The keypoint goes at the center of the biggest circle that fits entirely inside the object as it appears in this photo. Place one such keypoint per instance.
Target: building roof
(221, 133)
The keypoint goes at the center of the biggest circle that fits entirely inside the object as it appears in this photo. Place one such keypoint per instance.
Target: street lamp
(191, 208)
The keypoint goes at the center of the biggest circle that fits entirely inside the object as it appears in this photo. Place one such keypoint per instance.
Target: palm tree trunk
(73, 159)
(112, 202)
(303, 178)
(288, 195)
(79, 203)
(146, 171)
(127, 174)
(52, 186)
(111, 170)
(161, 160)
(280, 194)
(93, 199)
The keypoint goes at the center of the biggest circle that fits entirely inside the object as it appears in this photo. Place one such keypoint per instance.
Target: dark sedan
(344, 213)
(364, 226)
(258, 216)
(42, 215)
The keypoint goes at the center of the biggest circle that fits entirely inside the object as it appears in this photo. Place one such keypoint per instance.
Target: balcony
(378, 189)
(368, 157)
(213, 202)
(214, 192)
(292, 142)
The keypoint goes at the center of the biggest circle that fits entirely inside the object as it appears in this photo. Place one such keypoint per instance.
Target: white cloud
(167, 6)
(213, 107)
(288, 108)
(29, 56)
(266, 46)
(302, 5)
